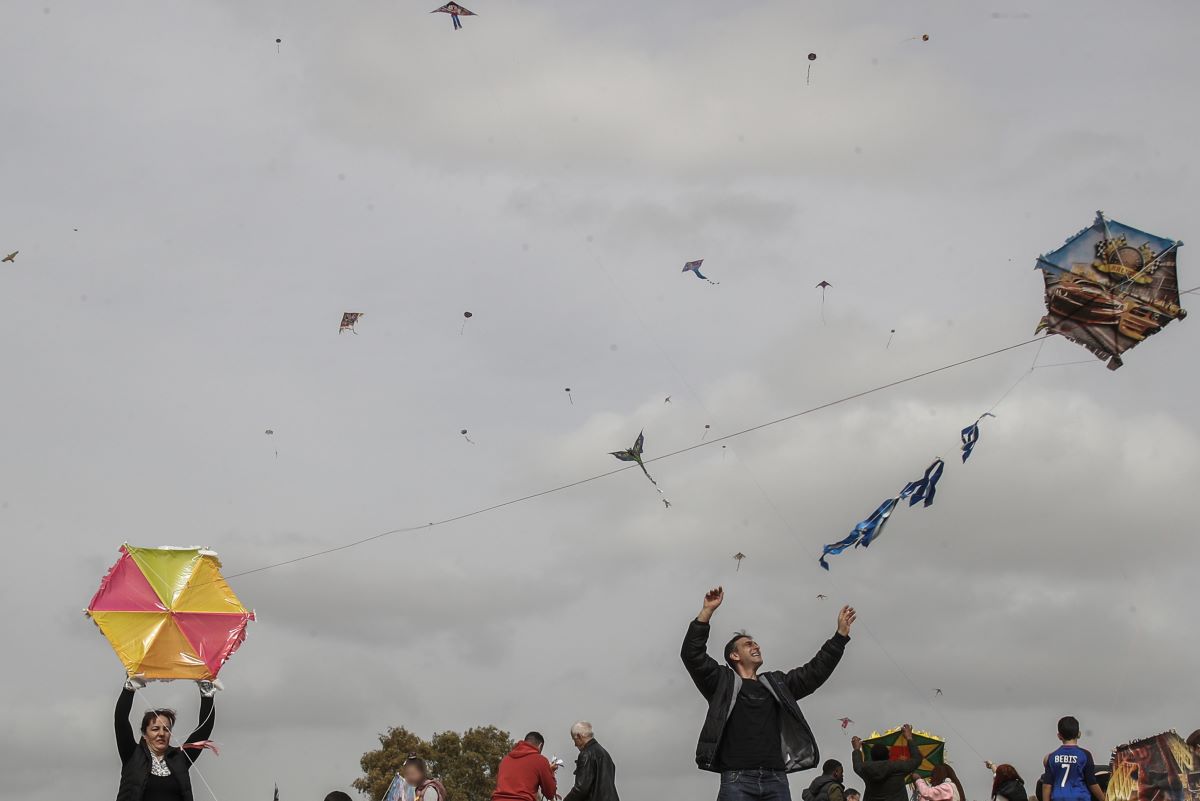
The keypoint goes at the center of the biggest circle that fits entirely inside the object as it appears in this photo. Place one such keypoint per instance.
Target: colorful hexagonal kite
(931, 748)
(169, 614)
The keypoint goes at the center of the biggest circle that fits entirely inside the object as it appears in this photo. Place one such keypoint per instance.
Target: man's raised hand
(856, 743)
(846, 619)
(712, 599)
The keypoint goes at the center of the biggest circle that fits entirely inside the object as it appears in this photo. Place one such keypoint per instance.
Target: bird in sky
(11, 257)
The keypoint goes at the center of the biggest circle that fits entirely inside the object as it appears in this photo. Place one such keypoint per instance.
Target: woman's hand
(209, 688)
(135, 683)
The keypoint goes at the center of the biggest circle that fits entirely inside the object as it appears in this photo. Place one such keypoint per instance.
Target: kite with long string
(694, 267)
(169, 614)
(868, 530)
(1109, 287)
(634, 454)
(823, 286)
(349, 320)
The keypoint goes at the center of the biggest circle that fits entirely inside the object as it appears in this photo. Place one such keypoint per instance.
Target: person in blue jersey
(1070, 771)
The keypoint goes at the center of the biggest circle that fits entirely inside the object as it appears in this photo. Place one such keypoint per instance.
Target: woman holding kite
(151, 768)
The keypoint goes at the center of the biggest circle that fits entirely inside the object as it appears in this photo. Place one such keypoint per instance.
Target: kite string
(571, 485)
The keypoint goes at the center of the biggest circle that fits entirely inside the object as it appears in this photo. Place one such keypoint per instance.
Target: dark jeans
(754, 785)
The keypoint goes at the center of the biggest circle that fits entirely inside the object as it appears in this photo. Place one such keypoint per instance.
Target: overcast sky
(549, 168)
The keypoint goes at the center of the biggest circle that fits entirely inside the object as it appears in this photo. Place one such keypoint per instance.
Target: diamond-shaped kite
(169, 614)
(931, 748)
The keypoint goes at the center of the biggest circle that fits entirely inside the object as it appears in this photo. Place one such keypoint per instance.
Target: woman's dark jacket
(1011, 790)
(720, 686)
(135, 754)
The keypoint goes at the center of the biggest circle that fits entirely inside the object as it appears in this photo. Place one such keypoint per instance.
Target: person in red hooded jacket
(524, 771)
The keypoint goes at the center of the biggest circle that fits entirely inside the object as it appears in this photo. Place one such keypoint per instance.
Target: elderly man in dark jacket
(595, 773)
(754, 734)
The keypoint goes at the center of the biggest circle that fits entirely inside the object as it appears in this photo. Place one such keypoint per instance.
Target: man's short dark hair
(852, 792)
(535, 738)
(731, 646)
(1068, 728)
(337, 795)
(879, 752)
(830, 767)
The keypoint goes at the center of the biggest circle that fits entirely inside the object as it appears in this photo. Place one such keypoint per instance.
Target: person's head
(1068, 729)
(833, 768)
(414, 771)
(536, 740)
(879, 752)
(1193, 739)
(337, 795)
(743, 654)
(156, 728)
(1004, 775)
(853, 795)
(944, 772)
(581, 734)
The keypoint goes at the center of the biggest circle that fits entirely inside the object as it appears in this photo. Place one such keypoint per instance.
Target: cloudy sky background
(550, 168)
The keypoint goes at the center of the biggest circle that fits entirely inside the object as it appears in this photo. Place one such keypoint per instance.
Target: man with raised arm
(754, 734)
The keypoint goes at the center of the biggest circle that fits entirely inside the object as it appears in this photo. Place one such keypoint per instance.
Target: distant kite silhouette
(11, 257)
(694, 267)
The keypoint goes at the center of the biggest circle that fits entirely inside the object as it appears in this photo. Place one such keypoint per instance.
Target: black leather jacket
(595, 775)
(135, 755)
(720, 687)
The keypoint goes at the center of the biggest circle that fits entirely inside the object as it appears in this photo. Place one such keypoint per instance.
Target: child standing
(1070, 771)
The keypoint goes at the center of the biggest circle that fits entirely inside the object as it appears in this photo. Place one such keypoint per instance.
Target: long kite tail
(652, 481)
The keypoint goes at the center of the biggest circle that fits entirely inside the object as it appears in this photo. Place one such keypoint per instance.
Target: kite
(11, 257)
(811, 58)
(1164, 768)
(464, 436)
(1109, 287)
(169, 614)
(455, 11)
(666, 503)
(634, 454)
(568, 391)
(739, 556)
(937, 690)
(922, 38)
(349, 320)
(888, 346)
(823, 286)
(931, 748)
(466, 316)
(694, 267)
(269, 432)
(278, 42)
(821, 597)
(868, 530)
(667, 399)
(845, 723)
(923, 489)
(970, 435)
(705, 434)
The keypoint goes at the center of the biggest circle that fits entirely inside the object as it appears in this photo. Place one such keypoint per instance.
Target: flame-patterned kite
(455, 11)
(931, 748)
(169, 614)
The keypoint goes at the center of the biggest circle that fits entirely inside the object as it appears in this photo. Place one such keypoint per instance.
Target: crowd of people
(754, 735)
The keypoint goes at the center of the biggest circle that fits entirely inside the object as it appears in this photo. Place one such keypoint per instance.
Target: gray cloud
(550, 168)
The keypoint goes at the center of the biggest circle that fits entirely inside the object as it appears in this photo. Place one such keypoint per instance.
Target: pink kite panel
(125, 589)
(214, 636)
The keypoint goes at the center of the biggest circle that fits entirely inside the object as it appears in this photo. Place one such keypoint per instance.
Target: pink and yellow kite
(169, 614)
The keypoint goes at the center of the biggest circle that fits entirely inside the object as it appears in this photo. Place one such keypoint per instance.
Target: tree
(466, 763)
